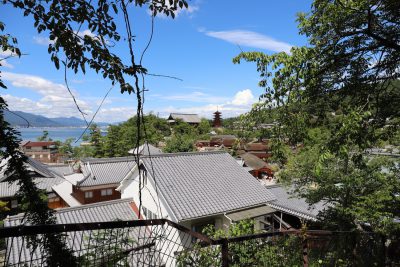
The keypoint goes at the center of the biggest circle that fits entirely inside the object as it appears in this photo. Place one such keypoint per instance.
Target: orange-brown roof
(254, 162)
(256, 147)
(39, 143)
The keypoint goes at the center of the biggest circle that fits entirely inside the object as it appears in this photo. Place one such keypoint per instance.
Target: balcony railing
(164, 243)
(117, 243)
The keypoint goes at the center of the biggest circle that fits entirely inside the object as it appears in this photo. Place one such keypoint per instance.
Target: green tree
(110, 146)
(44, 136)
(63, 20)
(34, 206)
(155, 128)
(96, 139)
(123, 137)
(180, 128)
(204, 127)
(254, 252)
(3, 206)
(83, 151)
(344, 83)
(180, 143)
(65, 148)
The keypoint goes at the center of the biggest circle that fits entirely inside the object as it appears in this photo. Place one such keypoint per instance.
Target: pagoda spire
(217, 119)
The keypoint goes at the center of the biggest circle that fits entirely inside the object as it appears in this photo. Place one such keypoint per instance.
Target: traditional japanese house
(223, 140)
(192, 119)
(256, 166)
(196, 189)
(46, 151)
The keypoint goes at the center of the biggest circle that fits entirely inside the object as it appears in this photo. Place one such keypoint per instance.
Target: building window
(14, 204)
(147, 214)
(88, 194)
(107, 192)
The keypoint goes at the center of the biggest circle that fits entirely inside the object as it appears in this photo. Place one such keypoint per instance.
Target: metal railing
(117, 243)
(305, 248)
(164, 243)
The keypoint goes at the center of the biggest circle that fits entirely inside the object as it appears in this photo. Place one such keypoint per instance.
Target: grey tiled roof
(33, 165)
(189, 118)
(289, 203)
(10, 189)
(119, 209)
(39, 167)
(106, 211)
(98, 212)
(253, 161)
(146, 149)
(202, 184)
(102, 160)
(61, 170)
(106, 171)
(3, 166)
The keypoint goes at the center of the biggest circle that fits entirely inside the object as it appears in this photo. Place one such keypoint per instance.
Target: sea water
(55, 133)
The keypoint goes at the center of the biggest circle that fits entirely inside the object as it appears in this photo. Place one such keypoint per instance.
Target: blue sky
(197, 46)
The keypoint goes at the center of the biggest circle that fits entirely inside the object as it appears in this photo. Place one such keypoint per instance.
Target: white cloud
(42, 40)
(250, 39)
(46, 41)
(199, 97)
(240, 103)
(243, 98)
(55, 100)
(115, 114)
(35, 83)
(192, 8)
(5, 64)
(43, 107)
(20, 103)
(4, 55)
(86, 32)
(208, 110)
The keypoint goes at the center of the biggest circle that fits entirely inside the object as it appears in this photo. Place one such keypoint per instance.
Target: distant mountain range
(15, 119)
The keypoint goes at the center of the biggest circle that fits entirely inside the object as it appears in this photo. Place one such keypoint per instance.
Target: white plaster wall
(149, 197)
(174, 240)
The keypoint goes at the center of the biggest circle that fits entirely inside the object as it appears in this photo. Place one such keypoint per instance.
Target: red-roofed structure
(260, 150)
(43, 151)
(39, 144)
(217, 120)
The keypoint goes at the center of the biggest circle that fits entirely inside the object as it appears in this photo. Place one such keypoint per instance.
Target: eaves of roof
(293, 212)
(185, 189)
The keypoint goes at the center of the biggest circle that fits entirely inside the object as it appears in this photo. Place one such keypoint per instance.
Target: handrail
(21, 230)
(24, 230)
